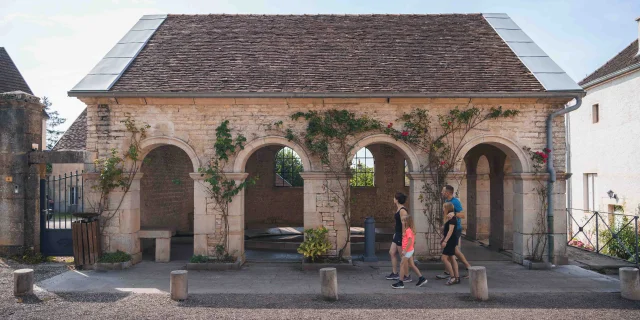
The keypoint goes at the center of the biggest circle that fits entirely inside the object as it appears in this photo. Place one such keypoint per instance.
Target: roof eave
(544, 94)
(612, 75)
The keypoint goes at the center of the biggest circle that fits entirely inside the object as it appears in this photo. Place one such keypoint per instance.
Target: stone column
(121, 230)
(236, 218)
(560, 237)
(527, 208)
(203, 221)
(508, 212)
(21, 117)
(323, 207)
(423, 229)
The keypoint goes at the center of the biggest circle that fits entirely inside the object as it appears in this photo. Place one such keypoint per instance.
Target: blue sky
(56, 42)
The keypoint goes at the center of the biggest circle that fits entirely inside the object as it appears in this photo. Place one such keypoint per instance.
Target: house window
(590, 191)
(73, 195)
(362, 169)
(595, 111)
(287, 168)
(407, 182)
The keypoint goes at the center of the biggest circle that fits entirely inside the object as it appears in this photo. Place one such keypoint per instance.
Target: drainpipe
(552, 172)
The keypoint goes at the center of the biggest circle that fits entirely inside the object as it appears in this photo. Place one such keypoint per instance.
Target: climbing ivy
(329, 136)
(220, 188)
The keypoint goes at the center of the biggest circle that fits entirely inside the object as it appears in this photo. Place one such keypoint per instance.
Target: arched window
(287, 169)
(362, 169)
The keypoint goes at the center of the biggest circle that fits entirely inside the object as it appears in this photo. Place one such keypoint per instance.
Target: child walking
(449, 243)
(408, 240)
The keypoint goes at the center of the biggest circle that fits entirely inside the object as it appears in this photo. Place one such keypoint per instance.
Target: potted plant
(114, 261)
(222, 261)
(314, 249)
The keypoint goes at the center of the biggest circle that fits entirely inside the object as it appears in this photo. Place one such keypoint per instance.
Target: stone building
(186, 74)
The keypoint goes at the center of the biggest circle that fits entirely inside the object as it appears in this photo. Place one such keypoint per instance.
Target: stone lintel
(322, 175)
(69, 156)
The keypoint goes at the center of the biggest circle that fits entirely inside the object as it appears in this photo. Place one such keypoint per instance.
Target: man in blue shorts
(458, 212)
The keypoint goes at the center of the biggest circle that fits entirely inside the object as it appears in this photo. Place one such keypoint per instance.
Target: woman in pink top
(408, 240)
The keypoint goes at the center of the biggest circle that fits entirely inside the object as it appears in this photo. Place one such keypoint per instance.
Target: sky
(55, 43)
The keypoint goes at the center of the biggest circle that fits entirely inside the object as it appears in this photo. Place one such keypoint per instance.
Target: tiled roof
(75, 138)
(10, 77)
(444, 53)
(624, 59)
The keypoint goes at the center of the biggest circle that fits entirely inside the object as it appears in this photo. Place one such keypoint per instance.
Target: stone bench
(163, 241)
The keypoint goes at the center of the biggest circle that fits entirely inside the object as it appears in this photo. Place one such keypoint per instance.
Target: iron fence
(64, 196)
(608, 233)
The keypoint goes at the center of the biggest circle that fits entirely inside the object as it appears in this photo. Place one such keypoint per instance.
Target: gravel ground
(45, 305)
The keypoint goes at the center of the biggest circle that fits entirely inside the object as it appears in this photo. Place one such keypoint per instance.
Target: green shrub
(315, 243)
(30, 257)
(198, 258)
(115, 257)
(626, 235)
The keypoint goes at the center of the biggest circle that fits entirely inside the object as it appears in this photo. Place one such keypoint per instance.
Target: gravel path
(45, 305)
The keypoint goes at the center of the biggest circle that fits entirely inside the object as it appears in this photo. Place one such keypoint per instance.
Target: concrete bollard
(630, 283)
(329, 283)
(478, 283)
(23, 282)
(179, 285)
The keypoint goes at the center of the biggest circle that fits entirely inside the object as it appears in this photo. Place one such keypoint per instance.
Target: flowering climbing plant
(538, 240)
(441, 138)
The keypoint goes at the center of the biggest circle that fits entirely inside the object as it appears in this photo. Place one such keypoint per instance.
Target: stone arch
(241, 159)
(405, 149)
(151, 143)
(516, 157)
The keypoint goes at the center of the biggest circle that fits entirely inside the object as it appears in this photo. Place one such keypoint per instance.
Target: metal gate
(60, 198)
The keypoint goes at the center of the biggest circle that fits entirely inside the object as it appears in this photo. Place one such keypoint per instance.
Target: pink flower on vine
(546, 150)
(442, 163)
(390, 125)
(405, 133)
(449, 123)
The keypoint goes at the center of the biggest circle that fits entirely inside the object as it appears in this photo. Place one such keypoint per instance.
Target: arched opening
(166, 199)
(273, 206)
(489, 197)
(379, 171)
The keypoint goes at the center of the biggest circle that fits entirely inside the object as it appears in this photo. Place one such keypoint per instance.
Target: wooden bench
(163, 241)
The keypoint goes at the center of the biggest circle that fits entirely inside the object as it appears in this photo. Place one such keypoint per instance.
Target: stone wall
(21, 116)
(193, 123)
(267, 205)
(166, 190)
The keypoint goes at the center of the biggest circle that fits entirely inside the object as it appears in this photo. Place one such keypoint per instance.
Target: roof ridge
(606, 63)
(320, 14)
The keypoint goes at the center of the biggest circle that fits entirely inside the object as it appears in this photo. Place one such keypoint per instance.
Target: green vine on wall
(220, 188)
(539, 233)
(441, 139)
(118, 171)
(329, 136)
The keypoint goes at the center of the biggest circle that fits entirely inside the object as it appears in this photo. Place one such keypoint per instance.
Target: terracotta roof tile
(327, 53)
(625, 58)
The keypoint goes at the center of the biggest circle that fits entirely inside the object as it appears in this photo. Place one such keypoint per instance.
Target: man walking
(458, 212)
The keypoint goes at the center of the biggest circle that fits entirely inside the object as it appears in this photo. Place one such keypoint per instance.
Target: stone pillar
(21, 117)
(179, 285)
(204, 222)
(508, 212)
(423, 245)
(329, 283)
(22, 282)
(560, 256)
(471, 208)
(527, 208)
(122, 229)
(236, 218)
(478, 283)
(323, 207)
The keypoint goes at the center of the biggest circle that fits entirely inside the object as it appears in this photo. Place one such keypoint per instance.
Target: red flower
(390, 125)
(544, 155)
(547, 150)
(449, 123)
(442, 163)
(544, 160)
(405, 133)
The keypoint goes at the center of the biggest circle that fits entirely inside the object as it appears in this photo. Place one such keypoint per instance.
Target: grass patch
(31, 257)
(205, 259)
(115, 257)
(198, 258)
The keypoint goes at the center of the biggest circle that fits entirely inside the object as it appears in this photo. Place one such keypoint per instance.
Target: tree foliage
(54, 121)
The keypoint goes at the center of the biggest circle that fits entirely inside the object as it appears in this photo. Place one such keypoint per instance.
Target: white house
(604, 137)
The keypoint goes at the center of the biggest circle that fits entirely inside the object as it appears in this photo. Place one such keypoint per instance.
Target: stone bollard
(329, 283)
(630, 283)
(478, 283)
(23, 282)
(179, 285)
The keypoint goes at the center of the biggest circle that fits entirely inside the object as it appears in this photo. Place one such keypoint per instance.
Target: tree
(53, 135)
(362, 175)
